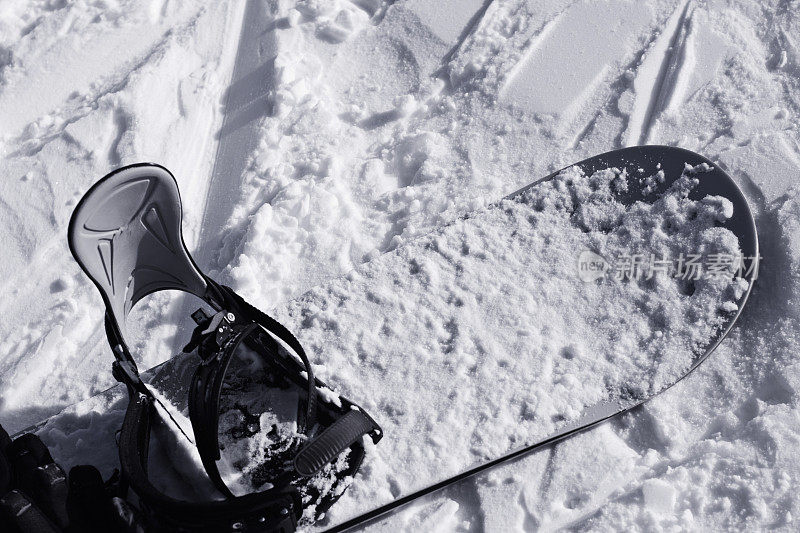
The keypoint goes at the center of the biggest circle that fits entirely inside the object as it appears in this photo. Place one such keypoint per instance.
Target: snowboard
(504, 331)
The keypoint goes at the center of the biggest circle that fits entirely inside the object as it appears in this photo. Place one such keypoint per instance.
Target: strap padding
(336, 438)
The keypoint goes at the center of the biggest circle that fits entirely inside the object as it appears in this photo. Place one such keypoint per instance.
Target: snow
(72, 109)
(378, 123)
(574, 75)
(487, 319)
(659, 496)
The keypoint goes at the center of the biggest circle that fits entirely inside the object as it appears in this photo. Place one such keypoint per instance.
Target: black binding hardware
(125, 233)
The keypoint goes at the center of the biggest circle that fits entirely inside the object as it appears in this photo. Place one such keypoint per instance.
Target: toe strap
(335, 439)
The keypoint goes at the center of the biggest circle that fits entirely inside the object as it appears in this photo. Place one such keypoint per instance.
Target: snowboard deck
(441, 341)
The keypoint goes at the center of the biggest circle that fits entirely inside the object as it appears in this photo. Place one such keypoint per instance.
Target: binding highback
(126, 235)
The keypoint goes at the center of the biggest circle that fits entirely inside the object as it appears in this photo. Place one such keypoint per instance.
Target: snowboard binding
(125, 233)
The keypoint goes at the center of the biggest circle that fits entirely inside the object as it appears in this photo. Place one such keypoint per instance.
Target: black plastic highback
(126, 235)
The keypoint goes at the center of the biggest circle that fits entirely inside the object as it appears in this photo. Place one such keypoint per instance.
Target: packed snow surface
(481, 337)
(334, 131)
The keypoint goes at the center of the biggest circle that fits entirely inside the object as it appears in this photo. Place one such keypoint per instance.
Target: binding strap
(319, 450)
(336, 438)
(279, 330)
(275, 510)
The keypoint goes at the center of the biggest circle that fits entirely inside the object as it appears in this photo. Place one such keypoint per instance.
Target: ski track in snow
(51, 334)
(659, 72)
(387, 119)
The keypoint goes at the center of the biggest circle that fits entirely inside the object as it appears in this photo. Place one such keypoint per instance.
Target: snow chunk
(659, 496)
(721, 208)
